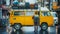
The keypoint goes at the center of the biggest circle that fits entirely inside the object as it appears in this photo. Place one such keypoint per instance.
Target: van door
(28, 18)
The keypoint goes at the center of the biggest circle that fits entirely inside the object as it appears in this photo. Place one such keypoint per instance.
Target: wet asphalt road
(30, 30)
(3, 31)
(59, 29)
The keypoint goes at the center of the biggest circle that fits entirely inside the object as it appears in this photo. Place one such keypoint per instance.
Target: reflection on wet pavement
(17, 32)
(43, 32)
(51, 30)
(3, 31)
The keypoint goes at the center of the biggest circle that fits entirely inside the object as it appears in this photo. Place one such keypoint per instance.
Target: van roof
(44, 9)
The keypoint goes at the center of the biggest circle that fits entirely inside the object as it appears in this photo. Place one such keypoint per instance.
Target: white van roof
(44, 9)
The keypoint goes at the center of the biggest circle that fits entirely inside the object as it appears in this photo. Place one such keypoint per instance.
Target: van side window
(29, 13)
(46, 14)
(19, 13)
(49, 13)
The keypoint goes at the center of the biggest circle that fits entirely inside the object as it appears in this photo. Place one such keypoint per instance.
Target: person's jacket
(36, 18)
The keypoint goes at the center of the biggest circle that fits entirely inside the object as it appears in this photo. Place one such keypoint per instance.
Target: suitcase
(27, 5)
(35, 6)
(31, 6)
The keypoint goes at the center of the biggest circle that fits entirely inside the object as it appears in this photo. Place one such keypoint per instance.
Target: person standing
(36, 21)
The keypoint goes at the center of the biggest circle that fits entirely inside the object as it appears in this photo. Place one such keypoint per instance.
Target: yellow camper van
(20, 18)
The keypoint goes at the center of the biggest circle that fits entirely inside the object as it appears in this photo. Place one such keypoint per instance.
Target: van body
(27, 20)
(25, 17)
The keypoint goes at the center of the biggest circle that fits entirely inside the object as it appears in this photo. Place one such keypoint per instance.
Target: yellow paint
(27, 20)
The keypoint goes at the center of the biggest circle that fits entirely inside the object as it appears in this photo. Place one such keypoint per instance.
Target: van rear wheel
(44, 26)
(17, 26)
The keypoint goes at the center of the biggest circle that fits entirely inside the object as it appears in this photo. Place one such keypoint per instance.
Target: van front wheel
(44, 26)
(17, 26)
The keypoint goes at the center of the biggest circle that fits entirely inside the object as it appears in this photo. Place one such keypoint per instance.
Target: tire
(17, 26)
(44, 26)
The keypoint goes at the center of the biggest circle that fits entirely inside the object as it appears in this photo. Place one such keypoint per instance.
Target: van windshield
(19, 13)
(46, 13)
